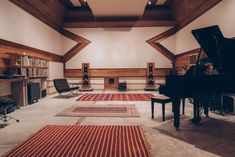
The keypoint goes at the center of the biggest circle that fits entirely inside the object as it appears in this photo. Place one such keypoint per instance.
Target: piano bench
(162, 100)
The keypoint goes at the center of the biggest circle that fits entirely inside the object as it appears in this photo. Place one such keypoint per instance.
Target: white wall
(118, 48)
(19, 26)
(222, 14)
(56, 70)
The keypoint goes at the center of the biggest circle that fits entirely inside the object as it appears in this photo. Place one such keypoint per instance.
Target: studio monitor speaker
(150, 76)
(86, 79)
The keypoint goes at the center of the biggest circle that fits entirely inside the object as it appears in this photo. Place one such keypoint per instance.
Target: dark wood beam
(81, 43)
(164, 51)
(153, 16)
(112, 24)
(73, 36)
(164, 35)
(186, 16)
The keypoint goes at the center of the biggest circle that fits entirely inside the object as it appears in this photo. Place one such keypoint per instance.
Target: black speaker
(33, 92)
(43, 93)
(150, 78)
(85, 76)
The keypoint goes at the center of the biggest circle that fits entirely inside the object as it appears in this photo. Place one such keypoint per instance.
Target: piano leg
(206, 109)
(196, 111)
(176, 108)
(183, 105)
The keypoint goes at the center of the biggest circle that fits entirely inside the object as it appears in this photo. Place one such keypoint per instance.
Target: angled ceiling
(61, 14)
(100, 13)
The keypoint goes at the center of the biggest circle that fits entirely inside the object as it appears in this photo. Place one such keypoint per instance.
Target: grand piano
(221, 52)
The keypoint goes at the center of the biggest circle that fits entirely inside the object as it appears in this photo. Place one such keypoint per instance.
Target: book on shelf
(24, 60)
(29, 66)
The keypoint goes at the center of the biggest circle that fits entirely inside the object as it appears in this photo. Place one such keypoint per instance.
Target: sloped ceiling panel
(160, 2)
(117, 8)
(76, 3)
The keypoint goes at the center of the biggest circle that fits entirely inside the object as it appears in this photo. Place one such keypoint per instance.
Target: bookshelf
(31, 69)
(28, 66)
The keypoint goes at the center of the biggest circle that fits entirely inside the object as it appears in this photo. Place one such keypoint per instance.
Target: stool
(163, 100)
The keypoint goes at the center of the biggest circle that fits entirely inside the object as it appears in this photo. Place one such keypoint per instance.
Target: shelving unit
(28, 66)
(32, 69)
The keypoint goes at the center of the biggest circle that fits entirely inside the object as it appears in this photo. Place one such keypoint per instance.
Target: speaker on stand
(86, 81)
(150, 78)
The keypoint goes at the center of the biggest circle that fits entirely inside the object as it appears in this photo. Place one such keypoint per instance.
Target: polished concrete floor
(214, 136)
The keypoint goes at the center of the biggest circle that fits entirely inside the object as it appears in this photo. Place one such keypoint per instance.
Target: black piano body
(221, 52)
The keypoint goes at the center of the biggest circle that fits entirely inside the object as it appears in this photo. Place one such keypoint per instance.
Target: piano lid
(208, 39)
(220, 51)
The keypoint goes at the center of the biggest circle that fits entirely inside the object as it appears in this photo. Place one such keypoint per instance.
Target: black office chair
(61, 86)
(5, 103)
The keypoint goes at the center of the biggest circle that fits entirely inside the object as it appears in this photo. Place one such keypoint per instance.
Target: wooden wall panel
(113, 86)
(185, 11)
(183, 59)
(121, 72)
(4, 62)
(11, 47)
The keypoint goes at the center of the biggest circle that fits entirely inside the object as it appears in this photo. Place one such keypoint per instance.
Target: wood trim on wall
(194, 14)
(81, 43)
(116, 72)
(190, 52)
(55, 24)
(183, 60)
(12, 47)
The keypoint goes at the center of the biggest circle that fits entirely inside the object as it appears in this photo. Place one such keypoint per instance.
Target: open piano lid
(220, 51)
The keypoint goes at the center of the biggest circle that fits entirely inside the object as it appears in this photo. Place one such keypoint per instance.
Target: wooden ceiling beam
(164, 51)
(81, 43)
(113, 24)
(84, 18)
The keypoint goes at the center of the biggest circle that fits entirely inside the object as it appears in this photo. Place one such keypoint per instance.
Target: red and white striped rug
(84, 141)
(115, 97)
(109, 110)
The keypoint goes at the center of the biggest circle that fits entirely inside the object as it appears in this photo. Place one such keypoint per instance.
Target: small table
(163, 100)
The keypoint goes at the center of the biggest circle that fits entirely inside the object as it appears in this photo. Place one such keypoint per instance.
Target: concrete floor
(214, 136)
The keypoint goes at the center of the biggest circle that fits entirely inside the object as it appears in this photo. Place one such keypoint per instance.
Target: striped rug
(84, 141)
(109, 110)
(115, 97)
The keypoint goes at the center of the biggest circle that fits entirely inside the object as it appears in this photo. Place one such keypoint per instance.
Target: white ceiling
(112, 8)
(160, 2)
(76, 3)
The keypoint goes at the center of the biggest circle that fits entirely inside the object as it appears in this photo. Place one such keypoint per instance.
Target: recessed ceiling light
(149, 2)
